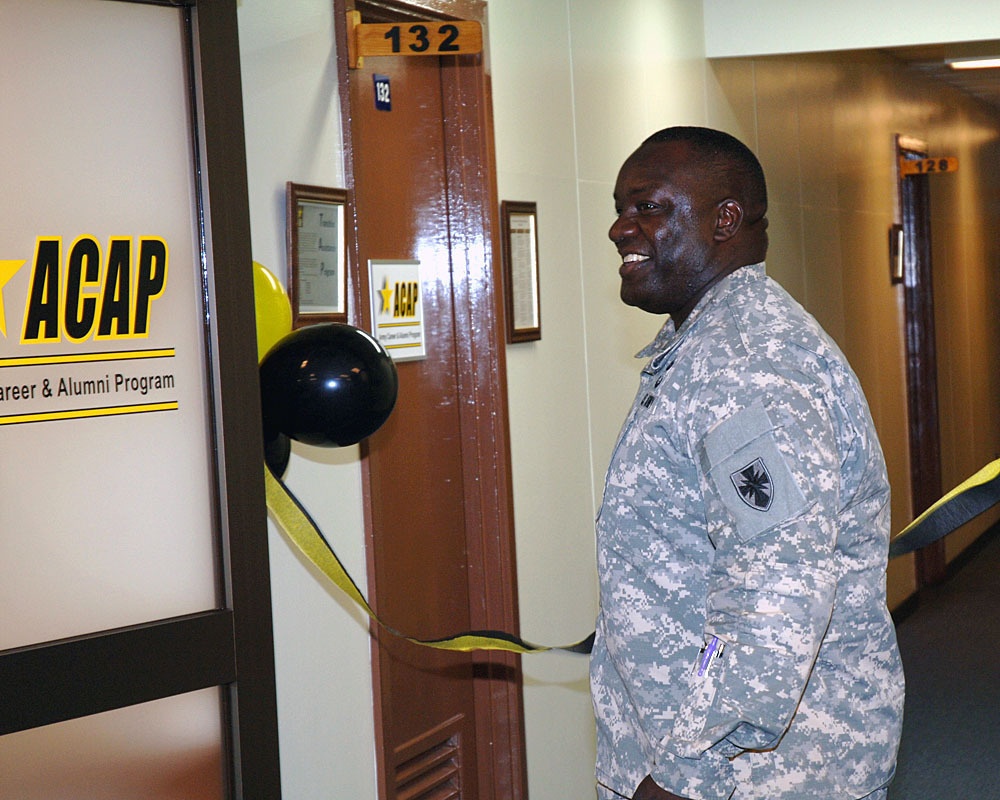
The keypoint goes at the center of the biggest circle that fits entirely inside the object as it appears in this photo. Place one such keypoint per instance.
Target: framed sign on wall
(317, 271)
(519, 224)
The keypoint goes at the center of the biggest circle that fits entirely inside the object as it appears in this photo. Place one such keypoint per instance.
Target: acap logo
(90, 296)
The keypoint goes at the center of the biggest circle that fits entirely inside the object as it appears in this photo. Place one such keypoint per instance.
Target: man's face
(664, 230)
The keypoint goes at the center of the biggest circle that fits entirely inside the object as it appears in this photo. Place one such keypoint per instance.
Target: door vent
(429, 766)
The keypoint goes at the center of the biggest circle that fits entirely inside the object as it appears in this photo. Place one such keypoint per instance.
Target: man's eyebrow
(645, 188)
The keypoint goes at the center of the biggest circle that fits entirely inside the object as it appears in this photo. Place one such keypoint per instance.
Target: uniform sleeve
(770, 475)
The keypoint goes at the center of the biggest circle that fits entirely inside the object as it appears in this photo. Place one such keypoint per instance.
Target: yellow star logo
(386, 292)
(8, 269)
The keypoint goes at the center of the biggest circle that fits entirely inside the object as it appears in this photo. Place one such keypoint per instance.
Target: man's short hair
(717, 150)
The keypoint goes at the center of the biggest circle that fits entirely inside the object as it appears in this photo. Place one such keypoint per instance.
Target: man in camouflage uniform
(744, 649)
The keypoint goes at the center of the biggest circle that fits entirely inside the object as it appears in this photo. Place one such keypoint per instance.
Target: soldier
(744, 649)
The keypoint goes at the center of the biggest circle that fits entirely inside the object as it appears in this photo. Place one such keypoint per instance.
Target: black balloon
(330, 385)
(277, 451)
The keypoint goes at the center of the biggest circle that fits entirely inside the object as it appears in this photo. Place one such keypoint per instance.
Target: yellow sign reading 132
(423, 38)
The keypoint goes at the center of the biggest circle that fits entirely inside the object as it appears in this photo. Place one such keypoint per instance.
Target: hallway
(951, 731)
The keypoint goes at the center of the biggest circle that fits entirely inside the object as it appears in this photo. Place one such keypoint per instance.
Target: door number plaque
(927, 166)
(412, 38)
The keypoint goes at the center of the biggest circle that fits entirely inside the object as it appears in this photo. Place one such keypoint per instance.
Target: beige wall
(321, 643)
(736, 28)
(824, 127)
(577, 85)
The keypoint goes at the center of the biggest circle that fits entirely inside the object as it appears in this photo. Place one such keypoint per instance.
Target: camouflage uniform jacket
(743, 647)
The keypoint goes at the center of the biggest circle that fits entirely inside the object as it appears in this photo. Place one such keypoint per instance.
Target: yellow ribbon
(967, 500)
(300, 529)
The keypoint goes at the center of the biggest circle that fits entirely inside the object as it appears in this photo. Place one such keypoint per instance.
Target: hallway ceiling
(930, 60)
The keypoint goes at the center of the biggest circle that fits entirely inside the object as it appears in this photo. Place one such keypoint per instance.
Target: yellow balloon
(273, 309)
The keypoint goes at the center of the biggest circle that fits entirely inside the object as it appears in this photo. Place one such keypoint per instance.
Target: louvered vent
(428, 767)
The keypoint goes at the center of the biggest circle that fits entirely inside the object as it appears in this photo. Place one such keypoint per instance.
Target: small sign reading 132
(383, 97)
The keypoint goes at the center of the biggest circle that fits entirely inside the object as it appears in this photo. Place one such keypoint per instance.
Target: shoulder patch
(754, 485)
(754, 481)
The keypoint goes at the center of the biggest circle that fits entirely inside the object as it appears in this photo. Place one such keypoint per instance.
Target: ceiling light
(992, 62)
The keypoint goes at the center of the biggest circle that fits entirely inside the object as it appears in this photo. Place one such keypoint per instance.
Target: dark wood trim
(394, 10)
(921, 362)
(252, 700)
(74, 677)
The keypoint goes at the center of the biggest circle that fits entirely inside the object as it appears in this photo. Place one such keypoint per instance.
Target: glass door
(133, 560)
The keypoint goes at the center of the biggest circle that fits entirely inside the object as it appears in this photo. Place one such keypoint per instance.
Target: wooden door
(921, 357)
(438, 498)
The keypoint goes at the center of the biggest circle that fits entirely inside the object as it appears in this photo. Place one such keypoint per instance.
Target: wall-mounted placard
(519, 221)
(398, 308)
(317, 264)
(927, 166)
(421, 38)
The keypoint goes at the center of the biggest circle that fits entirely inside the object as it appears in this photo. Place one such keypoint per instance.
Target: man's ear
(728, 219)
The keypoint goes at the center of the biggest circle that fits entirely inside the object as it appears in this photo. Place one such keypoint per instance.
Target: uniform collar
(670, 337)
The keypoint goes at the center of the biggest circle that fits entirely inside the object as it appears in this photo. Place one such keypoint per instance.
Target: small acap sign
(397, 308)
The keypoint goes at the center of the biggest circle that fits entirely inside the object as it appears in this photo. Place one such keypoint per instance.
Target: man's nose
(622, 227)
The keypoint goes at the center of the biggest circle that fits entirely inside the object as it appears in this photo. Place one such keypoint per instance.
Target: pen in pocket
(712, 649)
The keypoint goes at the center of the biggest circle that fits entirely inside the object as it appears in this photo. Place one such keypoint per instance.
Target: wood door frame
(921, 355)
(481, 378)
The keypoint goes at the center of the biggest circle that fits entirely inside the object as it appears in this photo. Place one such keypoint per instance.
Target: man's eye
(646, 208)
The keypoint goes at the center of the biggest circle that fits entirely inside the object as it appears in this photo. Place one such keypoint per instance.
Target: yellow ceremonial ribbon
(988, 473)
(932, 524)
(303, 533)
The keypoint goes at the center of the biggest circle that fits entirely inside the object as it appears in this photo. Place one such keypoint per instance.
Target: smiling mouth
(632, 262)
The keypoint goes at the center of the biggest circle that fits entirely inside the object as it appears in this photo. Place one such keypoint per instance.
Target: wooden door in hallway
(437, 489)
(921, 356)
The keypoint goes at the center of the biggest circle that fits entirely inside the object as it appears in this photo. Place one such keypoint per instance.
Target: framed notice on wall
(317, 274)
(520, 262)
